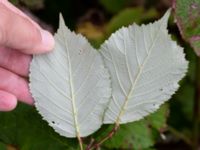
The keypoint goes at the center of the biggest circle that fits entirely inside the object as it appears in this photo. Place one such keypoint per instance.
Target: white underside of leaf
(70, 85)
(145, 67)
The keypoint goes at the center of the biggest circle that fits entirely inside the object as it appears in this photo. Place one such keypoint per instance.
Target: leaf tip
(165, 18)
(61, 20)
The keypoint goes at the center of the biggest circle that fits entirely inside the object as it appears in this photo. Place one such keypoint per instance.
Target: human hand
(19, 38)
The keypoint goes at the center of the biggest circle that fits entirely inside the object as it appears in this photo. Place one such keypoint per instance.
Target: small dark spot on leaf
(80, 52)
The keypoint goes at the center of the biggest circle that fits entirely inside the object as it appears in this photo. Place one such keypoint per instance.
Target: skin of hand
(20, 37)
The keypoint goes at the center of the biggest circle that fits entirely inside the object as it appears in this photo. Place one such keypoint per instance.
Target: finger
(17, 32)
(15, 61)
(15, 85)
(19, 12)
(7, 101)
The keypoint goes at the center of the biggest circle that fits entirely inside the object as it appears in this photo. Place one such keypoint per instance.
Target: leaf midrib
(77, 130)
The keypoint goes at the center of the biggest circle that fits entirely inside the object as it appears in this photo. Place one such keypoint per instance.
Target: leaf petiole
(108, 136)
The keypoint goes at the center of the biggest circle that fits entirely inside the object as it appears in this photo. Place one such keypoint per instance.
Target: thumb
(17, 32)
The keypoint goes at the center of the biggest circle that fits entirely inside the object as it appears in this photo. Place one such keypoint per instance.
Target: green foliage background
(171, 126)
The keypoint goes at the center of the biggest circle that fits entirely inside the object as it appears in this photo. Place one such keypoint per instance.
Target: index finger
(17, 32)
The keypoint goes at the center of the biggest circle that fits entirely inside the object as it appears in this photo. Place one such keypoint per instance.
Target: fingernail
(47, 40)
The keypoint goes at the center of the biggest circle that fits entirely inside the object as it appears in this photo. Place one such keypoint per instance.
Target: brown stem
(108, 136)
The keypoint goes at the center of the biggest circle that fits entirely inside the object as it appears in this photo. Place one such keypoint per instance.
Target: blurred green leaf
(188, 20)
(190, 55)
(2, 146)
(15, 2)
(158, 119)
(182, 103)
(25, 129)
(114, 6)
(185, 97)
(129, 16)
(32, 4)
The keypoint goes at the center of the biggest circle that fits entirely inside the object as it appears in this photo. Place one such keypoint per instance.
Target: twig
(108, 136)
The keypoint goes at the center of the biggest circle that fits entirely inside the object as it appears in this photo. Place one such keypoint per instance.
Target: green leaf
(128, 16)
(25, 129)
(132, 135)
(140, 134)
(188, 21)
(158, 120)
(114, 6)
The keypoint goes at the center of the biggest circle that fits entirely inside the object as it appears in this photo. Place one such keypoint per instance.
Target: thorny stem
(108, 136)
(196, 114)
